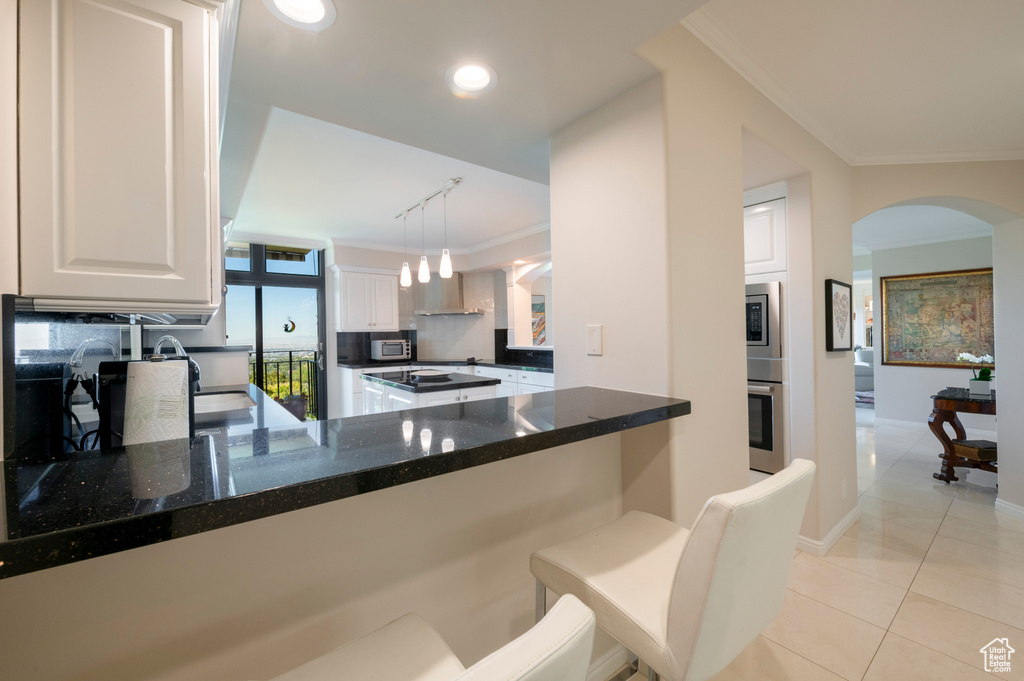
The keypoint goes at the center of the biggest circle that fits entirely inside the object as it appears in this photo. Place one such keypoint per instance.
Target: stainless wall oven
(765, 377)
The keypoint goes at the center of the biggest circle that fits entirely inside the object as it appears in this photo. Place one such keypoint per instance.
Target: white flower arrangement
(985, 373)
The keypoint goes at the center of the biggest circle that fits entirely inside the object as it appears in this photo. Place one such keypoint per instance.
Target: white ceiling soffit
(900, 226)
(877, 81)
(315, 180)
(763, 164)
(381, 69)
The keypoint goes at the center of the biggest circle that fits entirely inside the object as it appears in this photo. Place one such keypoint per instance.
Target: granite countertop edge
(53, 549)
(440, 362)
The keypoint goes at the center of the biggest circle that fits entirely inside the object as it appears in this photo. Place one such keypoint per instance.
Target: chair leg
(542, 601)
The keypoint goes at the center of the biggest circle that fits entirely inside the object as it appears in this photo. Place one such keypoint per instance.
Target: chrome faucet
(193, 369)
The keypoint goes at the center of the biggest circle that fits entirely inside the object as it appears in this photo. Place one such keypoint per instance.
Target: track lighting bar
(445, 188)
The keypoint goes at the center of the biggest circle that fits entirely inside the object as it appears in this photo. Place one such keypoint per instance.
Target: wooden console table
(946, 404)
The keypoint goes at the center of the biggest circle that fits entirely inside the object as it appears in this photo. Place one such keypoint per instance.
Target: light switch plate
(595, 346)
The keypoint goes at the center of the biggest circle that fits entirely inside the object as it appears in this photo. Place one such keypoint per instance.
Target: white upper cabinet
(118, 167)
(764, 237)
(369, 302)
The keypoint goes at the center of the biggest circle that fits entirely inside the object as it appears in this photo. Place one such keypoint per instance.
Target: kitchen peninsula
(85, 506)
(405, 389)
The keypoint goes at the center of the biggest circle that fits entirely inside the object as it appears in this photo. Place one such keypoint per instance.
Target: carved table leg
(936, 422)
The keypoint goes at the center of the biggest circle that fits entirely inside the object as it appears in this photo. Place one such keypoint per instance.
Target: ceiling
(324, 181)
(900, 226)
(380, 70)
(881, 81)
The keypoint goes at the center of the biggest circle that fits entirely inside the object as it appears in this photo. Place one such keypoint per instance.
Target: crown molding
(712, 33)
(484, 245)
(937, 157)
(959, 235)
(278, 240)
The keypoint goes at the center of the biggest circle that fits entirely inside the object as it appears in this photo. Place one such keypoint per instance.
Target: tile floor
(928, 575)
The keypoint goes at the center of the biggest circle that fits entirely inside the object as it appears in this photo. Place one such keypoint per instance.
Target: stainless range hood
(442, 296)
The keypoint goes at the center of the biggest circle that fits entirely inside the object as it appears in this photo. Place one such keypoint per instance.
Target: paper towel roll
(156, 402)
(157, 469)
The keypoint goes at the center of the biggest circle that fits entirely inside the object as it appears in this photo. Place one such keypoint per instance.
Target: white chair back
(556, 649)
(733, 572)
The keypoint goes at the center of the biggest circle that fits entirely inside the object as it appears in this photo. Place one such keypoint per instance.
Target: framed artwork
(539, 320)
(838, 316)
(929, 319)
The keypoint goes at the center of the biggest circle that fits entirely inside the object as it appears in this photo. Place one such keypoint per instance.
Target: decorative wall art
(838, 316)
(539, 320)
(929, 319)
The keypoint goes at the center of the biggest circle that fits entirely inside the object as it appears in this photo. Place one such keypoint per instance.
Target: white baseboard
(607, 664)
(1010, 509)
(820, 548)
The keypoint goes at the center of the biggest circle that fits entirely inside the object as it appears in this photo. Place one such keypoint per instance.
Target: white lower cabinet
(530, 389)
(373, 399)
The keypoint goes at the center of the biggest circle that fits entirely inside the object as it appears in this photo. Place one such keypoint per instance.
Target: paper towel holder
(111, 385)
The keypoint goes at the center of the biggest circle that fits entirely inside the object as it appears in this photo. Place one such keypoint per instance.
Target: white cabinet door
(356, 301)
(506, 390)
(399, 399)
(385, 302)
(764, 237)
(540, 378)
(526, 389)
(369, 302)
(118, 168)
(373, 399)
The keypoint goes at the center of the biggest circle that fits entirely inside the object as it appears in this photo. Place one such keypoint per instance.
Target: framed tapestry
(838, 316)
(929, 319)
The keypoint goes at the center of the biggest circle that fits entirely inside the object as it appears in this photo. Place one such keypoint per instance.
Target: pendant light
(424, 275)
(446, 258)
(406, 279)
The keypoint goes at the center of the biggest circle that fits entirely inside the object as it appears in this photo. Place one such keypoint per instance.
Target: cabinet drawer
(506, 375)
(537, 378)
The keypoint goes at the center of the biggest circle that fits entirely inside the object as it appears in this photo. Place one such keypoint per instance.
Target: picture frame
(838, 316)
(928, 319)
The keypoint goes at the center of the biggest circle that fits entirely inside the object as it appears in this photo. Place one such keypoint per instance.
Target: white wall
(457, 337)
(1008, 273)
(252, 600)
(608, 244)
(902, 393)
(708, 106)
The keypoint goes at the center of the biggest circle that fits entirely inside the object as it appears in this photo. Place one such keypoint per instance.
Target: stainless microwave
(389, 349)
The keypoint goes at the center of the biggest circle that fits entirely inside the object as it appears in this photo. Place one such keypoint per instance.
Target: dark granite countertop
(964, 395)
(101, 502)
(404, 380)
(440, 362)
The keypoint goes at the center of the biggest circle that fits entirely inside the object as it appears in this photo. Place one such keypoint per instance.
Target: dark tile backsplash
(528, 358)
(354, 346)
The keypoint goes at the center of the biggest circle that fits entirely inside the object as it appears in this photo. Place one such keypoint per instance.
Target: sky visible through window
(283, 308)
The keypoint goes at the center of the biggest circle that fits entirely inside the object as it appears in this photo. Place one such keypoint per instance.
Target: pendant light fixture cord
(444, 203)
(423, 227)
(405, 228)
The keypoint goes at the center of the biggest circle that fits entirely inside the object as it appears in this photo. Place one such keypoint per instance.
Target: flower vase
(981, 388)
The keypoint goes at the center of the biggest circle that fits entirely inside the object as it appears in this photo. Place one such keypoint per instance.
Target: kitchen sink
(221, 403)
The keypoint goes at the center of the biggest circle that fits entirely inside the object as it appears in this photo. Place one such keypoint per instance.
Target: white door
(385, 302)
(764, 237)
(356, 306)
(116, 121)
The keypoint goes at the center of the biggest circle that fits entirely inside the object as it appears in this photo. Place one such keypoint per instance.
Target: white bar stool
(686, 602)
(556, 649)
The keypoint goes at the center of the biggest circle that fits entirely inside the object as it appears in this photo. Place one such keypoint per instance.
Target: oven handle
(761, 389)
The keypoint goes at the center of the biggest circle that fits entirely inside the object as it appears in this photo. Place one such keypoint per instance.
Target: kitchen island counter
(102, 502)
(406, 380)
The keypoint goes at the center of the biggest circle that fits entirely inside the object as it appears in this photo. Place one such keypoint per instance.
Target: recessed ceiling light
(471, 79)
(312, 15)
(518, 262)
